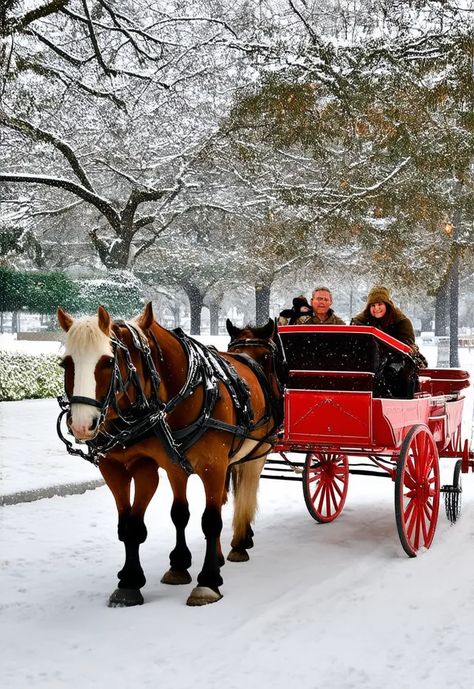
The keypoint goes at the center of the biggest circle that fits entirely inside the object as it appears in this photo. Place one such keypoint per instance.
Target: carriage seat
(442, 381)
(348, 358)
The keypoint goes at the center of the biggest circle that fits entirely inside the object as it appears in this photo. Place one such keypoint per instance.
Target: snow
(335, 606)
(9, 343)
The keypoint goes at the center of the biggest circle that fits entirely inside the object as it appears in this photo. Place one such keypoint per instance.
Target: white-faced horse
(143, 397)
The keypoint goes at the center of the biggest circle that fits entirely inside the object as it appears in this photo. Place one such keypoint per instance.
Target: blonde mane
(85, 335)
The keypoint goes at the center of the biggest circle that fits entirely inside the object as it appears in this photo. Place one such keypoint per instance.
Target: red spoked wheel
(325, 484)
(417, 490)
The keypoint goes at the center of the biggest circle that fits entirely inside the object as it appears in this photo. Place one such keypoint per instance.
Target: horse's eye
(109, 362)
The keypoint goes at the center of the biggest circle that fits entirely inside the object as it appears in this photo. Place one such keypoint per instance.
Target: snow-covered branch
(102, 205)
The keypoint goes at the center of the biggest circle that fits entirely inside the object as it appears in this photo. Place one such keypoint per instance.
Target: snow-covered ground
(335, 606)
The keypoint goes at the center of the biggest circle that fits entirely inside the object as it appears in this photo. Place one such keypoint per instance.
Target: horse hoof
(201, 595)
(238, 555)
(175, 577)
(125, 598)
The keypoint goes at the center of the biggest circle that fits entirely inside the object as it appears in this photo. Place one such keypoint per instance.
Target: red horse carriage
(354, 404)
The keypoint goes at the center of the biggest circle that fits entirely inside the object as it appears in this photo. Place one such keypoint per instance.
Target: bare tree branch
(40, 135)
(20, 23)
(102, 205)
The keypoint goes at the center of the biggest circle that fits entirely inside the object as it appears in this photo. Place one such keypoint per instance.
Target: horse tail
(245, 480)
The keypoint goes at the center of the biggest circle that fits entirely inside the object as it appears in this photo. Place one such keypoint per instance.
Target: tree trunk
(116, 253)
(175, 310)
(214, 318)
(454, 290)
(262, 304)
(426, 323)
(442, 308)
(196, 299)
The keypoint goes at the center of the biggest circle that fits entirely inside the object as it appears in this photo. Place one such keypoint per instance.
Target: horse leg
(245, 480)
(131, 526)
(209, 579)
(180, 556)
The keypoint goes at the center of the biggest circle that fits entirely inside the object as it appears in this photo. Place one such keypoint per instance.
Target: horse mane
(136, 324)
(255, 331)
(86, 334)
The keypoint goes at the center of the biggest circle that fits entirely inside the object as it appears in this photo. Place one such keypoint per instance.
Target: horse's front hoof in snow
(201, 595)
(238, 555)
(176, 577)
(125, 598)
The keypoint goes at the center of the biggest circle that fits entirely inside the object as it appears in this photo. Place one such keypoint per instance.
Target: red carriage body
(353, 392)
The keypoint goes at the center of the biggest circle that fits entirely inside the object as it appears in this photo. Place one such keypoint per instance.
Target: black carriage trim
(145, 416)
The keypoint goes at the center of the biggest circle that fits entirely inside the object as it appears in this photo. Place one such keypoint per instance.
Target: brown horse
(142, 397)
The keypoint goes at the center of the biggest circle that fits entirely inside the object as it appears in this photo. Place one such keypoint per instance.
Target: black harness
(273, 403)
(144, 416)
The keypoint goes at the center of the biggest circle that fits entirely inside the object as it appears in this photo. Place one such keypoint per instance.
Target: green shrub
(29, 376)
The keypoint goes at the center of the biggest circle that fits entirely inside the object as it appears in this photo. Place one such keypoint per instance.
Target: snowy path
(32, 456)
(336, 606)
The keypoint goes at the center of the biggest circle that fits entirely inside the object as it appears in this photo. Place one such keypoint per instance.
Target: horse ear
(64, 319)
(104, 320)
(267, 330)
(231, 329)
(146, 318)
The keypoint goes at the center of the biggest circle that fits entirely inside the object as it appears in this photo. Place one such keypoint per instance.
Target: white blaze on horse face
(85, 344)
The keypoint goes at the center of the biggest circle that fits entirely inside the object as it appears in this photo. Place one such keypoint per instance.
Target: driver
(317, 312)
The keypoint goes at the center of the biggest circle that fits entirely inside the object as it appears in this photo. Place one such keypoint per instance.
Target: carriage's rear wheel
(325, 484)
(452, 495)
(417, 490)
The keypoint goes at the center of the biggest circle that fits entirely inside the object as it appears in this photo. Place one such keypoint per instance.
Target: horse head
(261, 344)
(253, 341)
(88, 368)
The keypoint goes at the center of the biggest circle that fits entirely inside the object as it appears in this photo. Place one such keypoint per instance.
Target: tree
(46, 291)
(132, 63)
(19, 245)
(376, 137)
(13, 288)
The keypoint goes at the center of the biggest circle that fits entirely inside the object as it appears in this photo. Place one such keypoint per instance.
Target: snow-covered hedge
(119, 291)
(27, 376)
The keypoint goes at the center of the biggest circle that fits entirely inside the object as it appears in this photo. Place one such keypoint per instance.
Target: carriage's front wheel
(325, 484)
(417, 490)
